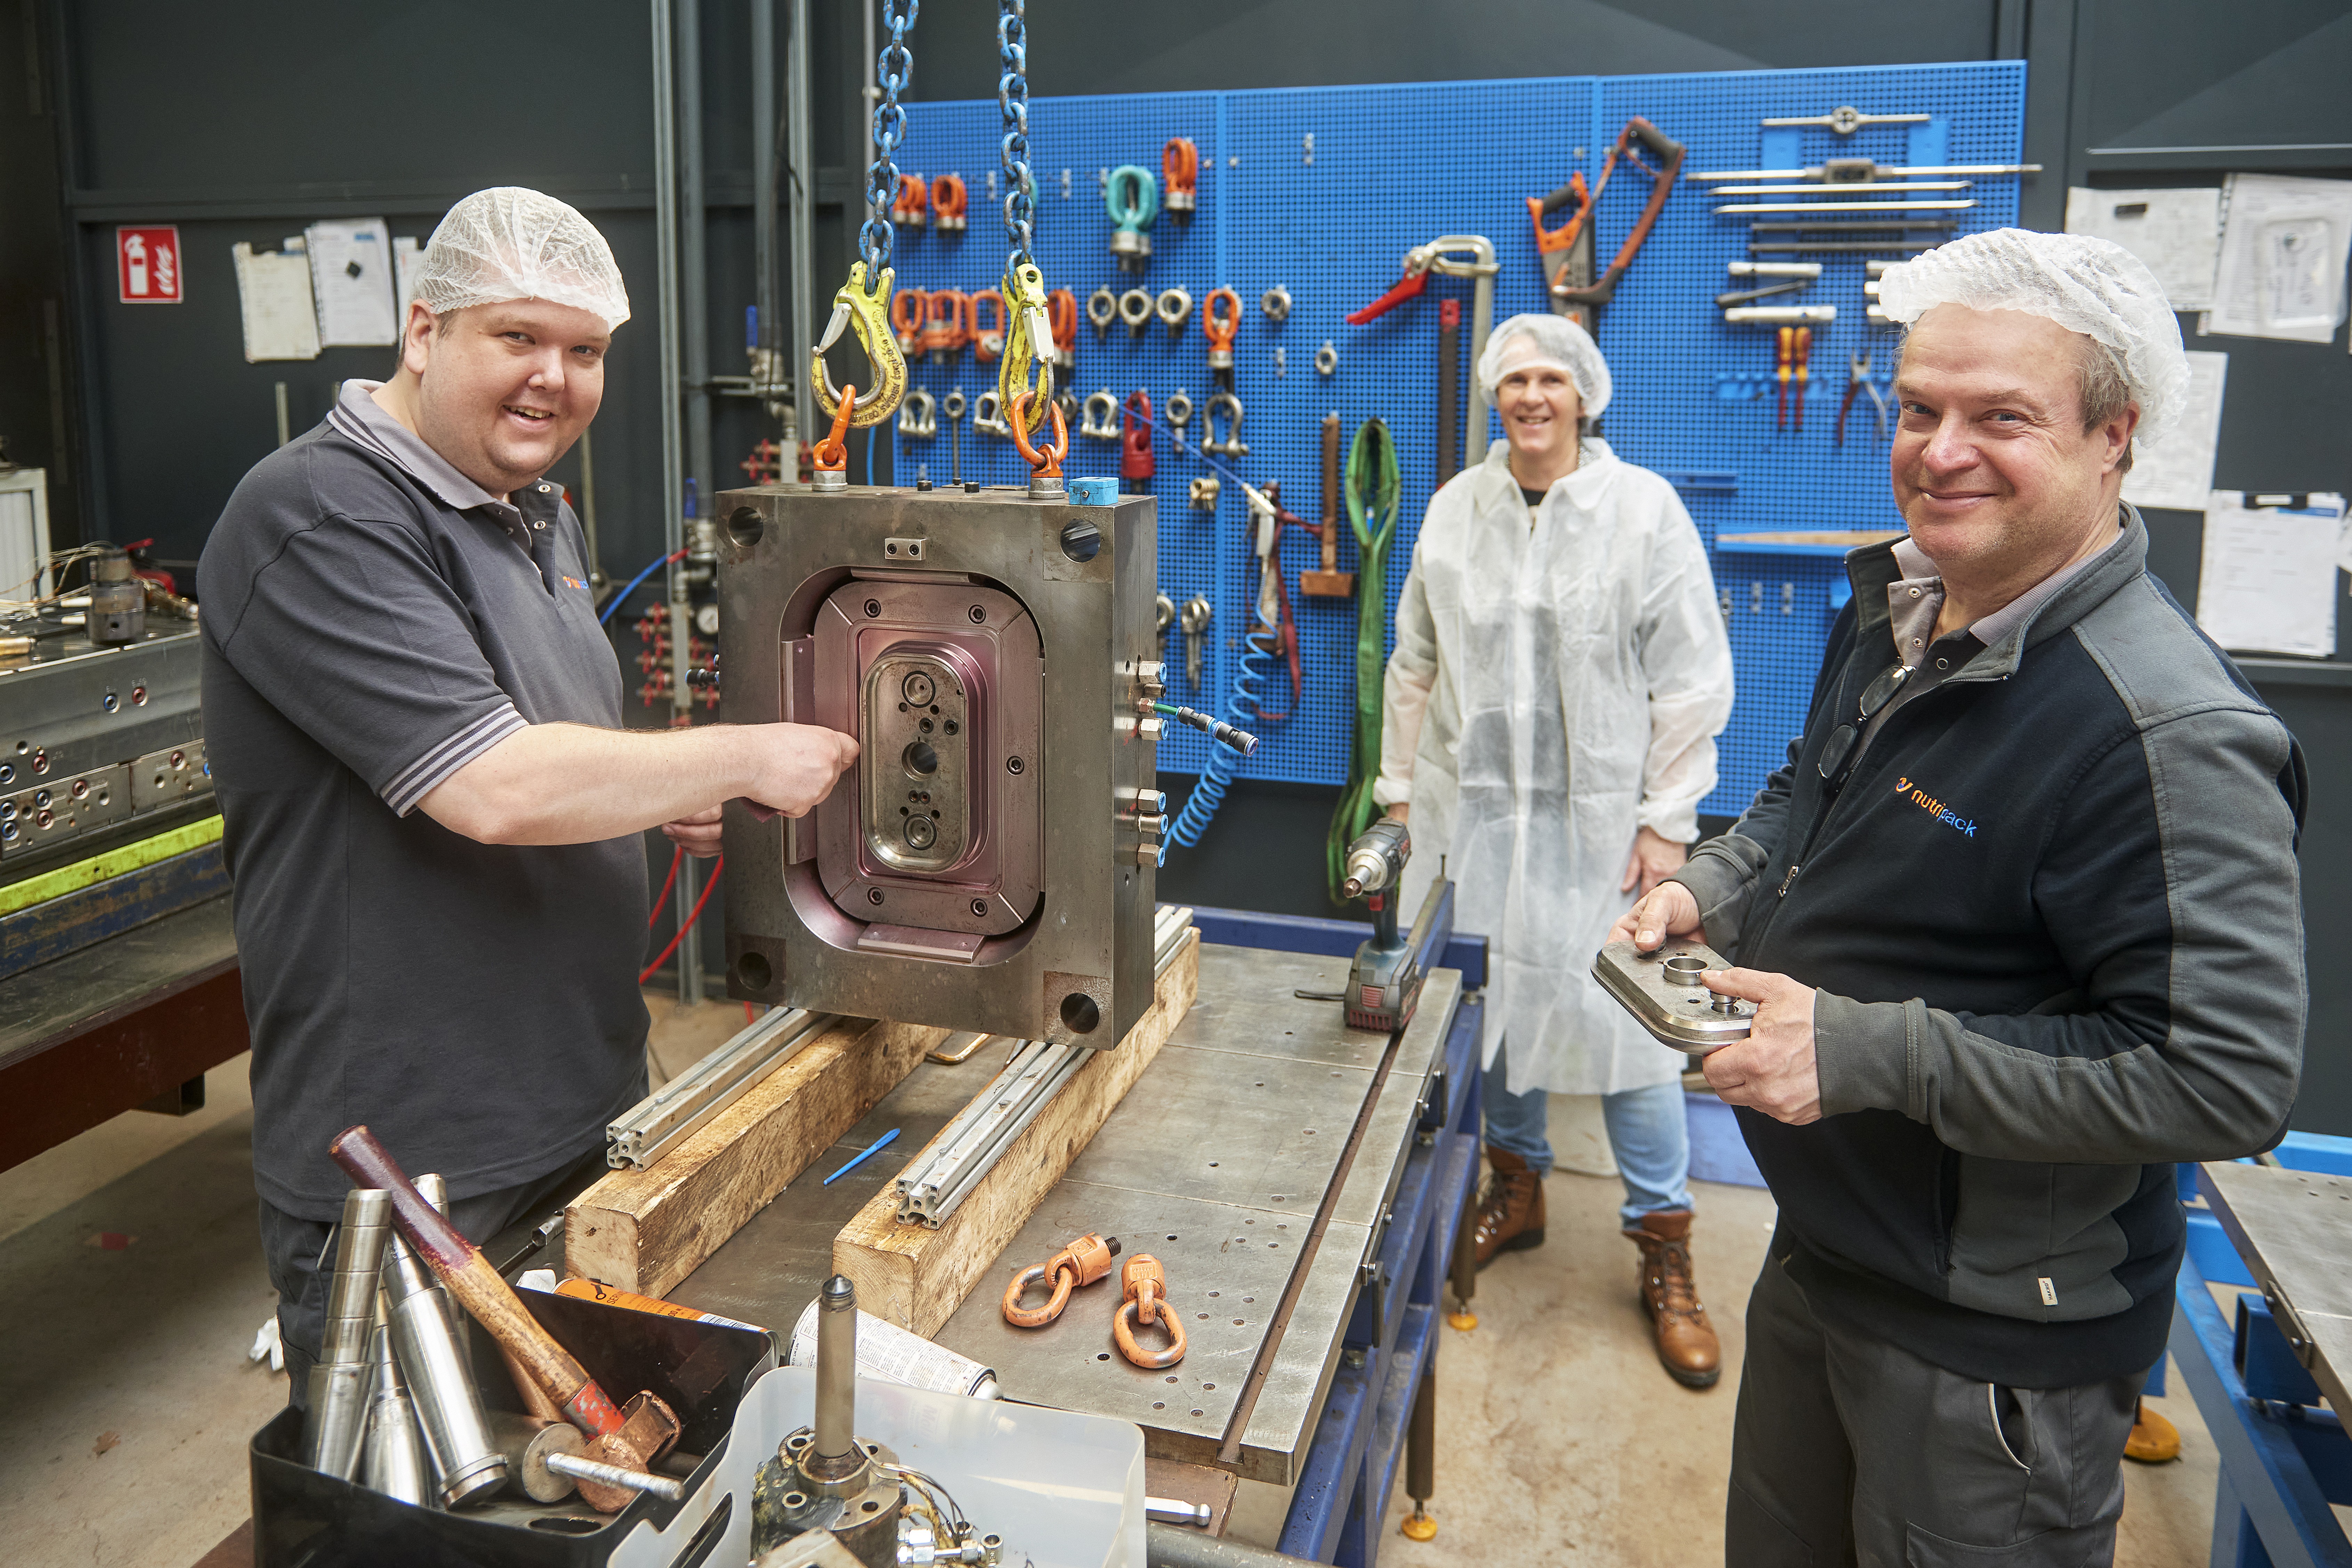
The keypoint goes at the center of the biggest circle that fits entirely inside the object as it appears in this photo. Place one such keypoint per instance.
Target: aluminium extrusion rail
(943, 1176)
(690, 1100)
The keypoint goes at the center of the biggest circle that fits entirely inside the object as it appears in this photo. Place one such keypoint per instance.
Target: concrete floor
(136, 1286)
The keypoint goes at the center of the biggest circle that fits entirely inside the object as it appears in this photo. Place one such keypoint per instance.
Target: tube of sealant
(891, 1355)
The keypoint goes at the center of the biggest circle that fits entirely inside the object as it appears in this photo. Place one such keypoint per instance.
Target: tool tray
(303, 1519)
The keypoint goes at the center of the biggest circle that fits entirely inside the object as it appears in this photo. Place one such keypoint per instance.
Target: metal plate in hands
(1662, 990)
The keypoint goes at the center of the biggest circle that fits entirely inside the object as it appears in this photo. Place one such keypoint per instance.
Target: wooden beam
(916, 1277)
(647, 1230)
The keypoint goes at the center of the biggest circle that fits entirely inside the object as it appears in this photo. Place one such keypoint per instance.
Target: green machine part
(1372, 493)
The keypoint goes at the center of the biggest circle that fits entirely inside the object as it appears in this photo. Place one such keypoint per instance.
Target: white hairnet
(2086, 285)
(1548, 340)
(510, 243)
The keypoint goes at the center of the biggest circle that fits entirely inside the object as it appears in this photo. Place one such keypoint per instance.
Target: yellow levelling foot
(2154, 1441)
(1464, 1320)
(1418, 1526)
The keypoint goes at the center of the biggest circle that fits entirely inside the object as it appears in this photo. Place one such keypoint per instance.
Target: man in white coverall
(1560, 674)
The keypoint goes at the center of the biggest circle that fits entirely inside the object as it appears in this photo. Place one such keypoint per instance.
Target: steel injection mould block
(988, 863)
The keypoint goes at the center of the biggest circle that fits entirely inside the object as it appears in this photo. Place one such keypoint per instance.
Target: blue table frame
(2284, 1459)
(1351, 1466)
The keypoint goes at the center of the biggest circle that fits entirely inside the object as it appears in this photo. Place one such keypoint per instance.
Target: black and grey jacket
(2055, 923)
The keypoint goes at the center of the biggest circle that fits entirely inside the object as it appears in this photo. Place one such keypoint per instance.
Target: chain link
(895, 68)
(1013, 98)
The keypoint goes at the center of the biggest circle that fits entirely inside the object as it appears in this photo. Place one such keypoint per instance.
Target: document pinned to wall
(2266, 583)
(2177, 233)
(273, 300)
(352, 275)
(2285, 242)
(2179, 472)
(405, 258)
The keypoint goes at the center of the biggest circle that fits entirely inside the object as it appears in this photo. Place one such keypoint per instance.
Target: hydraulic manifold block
(988, 864)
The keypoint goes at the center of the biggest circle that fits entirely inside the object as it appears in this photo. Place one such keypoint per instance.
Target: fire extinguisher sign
(147, 266)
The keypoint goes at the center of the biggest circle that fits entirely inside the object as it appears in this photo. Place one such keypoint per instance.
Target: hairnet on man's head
(510, 243)
(1546, 340)
(2094, 287)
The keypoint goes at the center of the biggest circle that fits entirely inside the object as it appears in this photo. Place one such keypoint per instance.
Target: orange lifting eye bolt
(1179, 167)
(909, 308)
(1046, 460)
(948, 201)
(1146, 1286)
(1220, 328)
(946, 322)
(987, 335)
(832, 453)
(1082, 1262)
(1061, 314)
(907, 209)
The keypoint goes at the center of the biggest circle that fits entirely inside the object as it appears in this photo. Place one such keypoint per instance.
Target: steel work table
(1216, 1162)
(2260, 1372)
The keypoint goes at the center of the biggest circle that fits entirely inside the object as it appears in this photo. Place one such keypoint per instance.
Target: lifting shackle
(948, 199)
(908, 310)
(987, 335)
(868, 316)
(1043, 457)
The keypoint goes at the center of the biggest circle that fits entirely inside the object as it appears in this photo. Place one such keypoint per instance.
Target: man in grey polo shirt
(414, 720)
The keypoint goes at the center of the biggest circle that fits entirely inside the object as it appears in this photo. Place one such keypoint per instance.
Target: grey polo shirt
(373, 621)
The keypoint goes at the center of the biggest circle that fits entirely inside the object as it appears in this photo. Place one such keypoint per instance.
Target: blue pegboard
(1392, 167)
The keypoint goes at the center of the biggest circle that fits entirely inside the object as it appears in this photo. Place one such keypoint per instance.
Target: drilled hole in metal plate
(1171, 1380)
(920, 759)
(1081, 1012)
(1198, 1412)
(1103, 1355)
(1209, 1387)
(745, 525)
(1171, 1239)
(1160, 1404)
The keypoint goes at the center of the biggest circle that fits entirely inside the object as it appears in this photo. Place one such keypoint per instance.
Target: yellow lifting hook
(1028, 339)
(869, 316)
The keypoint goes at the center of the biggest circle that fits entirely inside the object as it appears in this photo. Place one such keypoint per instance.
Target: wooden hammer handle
(477, 1285)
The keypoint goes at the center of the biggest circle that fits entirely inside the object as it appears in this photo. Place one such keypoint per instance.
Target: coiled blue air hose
(1259, 665)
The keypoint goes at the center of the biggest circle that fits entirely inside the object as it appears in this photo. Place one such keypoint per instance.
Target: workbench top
(1216, 1162)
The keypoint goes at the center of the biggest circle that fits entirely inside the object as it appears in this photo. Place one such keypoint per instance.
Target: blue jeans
(1647, 1132)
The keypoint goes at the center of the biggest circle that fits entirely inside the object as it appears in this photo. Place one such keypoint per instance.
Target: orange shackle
(946, 323)
(907, 207)
(987, 336)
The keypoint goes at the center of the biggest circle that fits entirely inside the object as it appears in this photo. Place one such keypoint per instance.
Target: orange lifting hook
(1082, 1262)
(1146, 1285)
(1046, 460)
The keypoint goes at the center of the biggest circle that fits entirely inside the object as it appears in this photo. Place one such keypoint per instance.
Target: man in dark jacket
(2021, 919)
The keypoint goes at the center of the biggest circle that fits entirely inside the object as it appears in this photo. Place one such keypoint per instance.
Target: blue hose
(1259, 665)
(605, 618)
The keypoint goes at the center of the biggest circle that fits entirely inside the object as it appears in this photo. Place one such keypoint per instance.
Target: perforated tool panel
(1392, 167)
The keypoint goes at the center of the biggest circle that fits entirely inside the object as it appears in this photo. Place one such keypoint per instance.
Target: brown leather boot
(1686, 1344)
(1511, 1210)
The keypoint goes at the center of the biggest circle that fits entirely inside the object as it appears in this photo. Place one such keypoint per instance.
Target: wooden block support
(916, 1277)
(647, 1230)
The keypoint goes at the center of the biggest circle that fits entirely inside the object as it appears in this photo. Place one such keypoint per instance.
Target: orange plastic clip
(833, 453)
(1179, 167)
(1145, 1285)
(987, 336)
(908, 309)
(948, 199)
(1046, 460)
(1082, 1262)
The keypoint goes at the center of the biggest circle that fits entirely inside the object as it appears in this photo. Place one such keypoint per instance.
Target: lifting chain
(863, 304)
(1029, 331)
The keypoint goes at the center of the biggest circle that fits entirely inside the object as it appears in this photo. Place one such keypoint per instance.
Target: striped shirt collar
(357, 415)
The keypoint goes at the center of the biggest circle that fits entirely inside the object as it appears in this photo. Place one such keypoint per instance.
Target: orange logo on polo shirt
(573, 583)
(1935, 809)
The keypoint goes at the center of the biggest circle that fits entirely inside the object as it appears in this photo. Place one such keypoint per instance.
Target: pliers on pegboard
(1860, 379)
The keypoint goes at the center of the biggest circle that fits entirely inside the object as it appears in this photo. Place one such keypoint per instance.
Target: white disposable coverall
(1552, 690)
